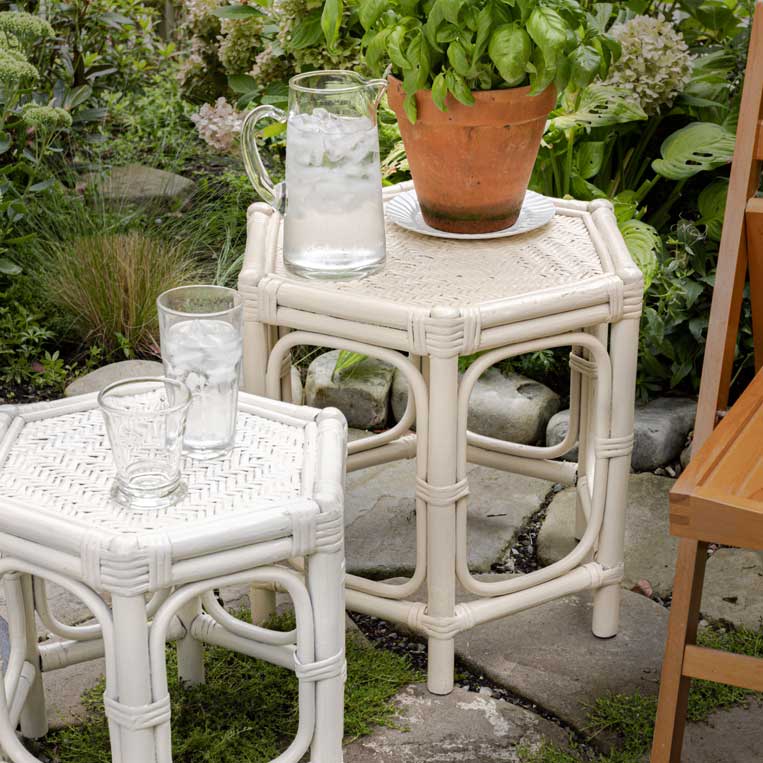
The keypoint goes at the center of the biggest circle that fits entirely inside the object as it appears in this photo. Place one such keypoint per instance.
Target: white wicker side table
(571, 283)
(276, 495)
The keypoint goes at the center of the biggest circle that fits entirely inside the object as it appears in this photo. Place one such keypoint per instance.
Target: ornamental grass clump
(105, 285)
(655, 64)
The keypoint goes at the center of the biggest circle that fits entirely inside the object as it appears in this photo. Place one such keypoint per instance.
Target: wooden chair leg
(682, 630)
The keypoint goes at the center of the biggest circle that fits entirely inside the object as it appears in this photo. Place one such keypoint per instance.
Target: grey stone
(548, 654)
(660, 431)
(463, 726)
(506, 406)
(64, 690)
(685, 456)
(360, 392)
(96, 380)
(399, 396)
(297, 392)
(733, 735)
(511, 407)
(138, 184)
(650, 550)
(733, 587)
(556, 431)
(381, 520)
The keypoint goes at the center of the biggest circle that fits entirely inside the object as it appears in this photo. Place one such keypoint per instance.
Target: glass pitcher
(332, 196)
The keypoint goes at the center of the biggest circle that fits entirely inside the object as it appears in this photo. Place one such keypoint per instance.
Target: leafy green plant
(458, 46)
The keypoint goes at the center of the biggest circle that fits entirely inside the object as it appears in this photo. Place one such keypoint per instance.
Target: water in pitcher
(206, 355)
(334, 195)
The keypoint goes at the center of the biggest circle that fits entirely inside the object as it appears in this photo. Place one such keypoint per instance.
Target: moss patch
(246, 712)
(631, 717)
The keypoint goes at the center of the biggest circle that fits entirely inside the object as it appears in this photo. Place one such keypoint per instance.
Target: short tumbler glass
(145, 420)
(200, 328)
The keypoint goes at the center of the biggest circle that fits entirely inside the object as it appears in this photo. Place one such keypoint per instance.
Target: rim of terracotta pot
(490, 105)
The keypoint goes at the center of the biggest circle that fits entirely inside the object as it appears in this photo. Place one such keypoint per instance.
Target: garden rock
(733, 587)
(506, 406)
(297, 392)
(549, 655)
(138, 184)
(360, 392)
(380, 516)
(660, 431)
(650, 550)
(462, 726)
(399, 396)
(96, 380)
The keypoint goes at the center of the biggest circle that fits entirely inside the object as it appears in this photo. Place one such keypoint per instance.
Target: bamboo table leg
(682, 630)
(133, 679)
(441, 516)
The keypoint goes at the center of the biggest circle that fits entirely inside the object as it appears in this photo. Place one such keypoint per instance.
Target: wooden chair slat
(759, 144)
(754, 236)
(732, 257)
(722, 667)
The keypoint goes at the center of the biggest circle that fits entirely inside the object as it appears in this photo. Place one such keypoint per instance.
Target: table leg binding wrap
(321, 670)
(441, 496)
(614, 447)
(582, 366)
(140, 717)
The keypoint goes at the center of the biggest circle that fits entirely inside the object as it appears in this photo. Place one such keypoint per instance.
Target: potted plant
(472, 84)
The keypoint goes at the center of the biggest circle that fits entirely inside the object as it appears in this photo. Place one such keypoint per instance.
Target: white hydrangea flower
(197, 10)
(655, 64)
(219, 125)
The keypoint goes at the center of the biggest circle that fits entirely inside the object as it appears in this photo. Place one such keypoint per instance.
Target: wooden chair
(719, 498)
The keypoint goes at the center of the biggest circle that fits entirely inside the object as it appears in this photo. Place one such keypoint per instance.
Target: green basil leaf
(394, 47)
(409, 106)
(451, 10)
(370, 11)
(510, 48)
(439, 91)
(548, 31)
(484, 27)
(377, 49)
(331, 20)
(237, 12)
(458, 58)
(541, 74)
(460, 89)
(585, 62)
(433, 23)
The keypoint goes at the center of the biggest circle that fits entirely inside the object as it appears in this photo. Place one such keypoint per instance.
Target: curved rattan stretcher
(276, 495)
(571, 283)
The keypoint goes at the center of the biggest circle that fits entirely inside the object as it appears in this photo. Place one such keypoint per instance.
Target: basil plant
(459, 46)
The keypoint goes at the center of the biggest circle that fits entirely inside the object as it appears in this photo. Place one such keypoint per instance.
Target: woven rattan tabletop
(56, 461)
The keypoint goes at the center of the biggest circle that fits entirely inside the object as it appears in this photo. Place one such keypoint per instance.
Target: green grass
(629, 718)
(246, 712)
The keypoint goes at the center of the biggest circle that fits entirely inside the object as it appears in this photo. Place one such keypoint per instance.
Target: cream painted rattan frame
(597, 315)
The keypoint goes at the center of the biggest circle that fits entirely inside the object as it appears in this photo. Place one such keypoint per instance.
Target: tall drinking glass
(145, 419)
(200, 329)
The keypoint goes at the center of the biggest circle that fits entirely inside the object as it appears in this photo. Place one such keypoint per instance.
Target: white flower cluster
(655, 63)
(198, 10)
(219, 125)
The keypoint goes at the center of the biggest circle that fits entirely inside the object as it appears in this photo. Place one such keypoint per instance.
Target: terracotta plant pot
(471, 164)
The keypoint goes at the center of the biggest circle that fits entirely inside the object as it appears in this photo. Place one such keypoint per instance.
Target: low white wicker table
(276, 495)
(571, 283)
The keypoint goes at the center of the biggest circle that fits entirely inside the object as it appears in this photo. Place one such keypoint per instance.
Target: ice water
(334, 217)
(206, 355)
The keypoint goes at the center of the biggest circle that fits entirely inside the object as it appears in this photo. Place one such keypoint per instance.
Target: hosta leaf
(600, 106)
(697, 147)
(370, 10)
(589, 156)
(307, 32)
(643, 243)
(712, 203)
(8, 267)
(242, 83)
(331, 20)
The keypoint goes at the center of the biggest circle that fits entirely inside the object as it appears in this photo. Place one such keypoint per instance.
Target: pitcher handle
(273, 194)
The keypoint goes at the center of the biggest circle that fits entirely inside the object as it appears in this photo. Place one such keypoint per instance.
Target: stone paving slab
(381, 522)
(733, 587)
(464, 726)
(734, 735)
(549, 655)
(650, 551)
